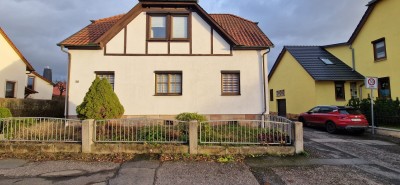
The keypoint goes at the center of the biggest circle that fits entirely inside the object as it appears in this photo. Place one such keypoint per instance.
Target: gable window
(379, 49)
(108, 75)
(10, 89)
(168, 27)
(31, 83)
(339, 91)
(168, 83)
(179, 27)
(230, 83)
(158, 28)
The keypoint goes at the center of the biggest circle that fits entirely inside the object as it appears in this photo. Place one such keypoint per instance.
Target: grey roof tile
(310, 58)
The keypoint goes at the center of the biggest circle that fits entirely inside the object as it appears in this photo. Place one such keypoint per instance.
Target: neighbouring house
(373, 49)
(167, 57)
(16, 73)
(42, 86)
(306, 76)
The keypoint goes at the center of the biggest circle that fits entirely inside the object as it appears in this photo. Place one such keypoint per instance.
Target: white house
(42, 86)
(168, 57)
(16, 72)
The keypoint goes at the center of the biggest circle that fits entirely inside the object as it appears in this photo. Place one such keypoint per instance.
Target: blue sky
(36, 26)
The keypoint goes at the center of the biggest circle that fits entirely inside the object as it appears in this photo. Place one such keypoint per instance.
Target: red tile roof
(88, 35)
(245, 32)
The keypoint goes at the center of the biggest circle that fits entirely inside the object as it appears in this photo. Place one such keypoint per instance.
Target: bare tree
(61, 87)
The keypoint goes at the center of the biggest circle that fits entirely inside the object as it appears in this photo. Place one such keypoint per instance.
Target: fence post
(87, 135)
(298, 140)
(193, 136)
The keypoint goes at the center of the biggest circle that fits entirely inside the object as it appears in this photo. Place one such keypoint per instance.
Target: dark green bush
(100, 102)
(386, 111)
(5, 113)
(187, 116)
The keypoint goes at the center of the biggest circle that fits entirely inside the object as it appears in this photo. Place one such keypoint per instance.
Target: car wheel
(330, 127)
(305, 124)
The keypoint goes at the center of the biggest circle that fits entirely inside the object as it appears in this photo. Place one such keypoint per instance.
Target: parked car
(334, 118)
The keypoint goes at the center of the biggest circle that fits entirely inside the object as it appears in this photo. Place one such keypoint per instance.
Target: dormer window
(163, 27)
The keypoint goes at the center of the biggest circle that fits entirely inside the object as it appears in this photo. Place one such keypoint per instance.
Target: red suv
(334, 118)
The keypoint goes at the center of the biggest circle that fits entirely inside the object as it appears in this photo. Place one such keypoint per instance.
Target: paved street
(138, 172)
(330, 159)
(334, 159)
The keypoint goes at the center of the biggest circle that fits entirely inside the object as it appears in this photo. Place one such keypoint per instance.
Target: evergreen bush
(100, 102)
(5, 113)
(187, 116)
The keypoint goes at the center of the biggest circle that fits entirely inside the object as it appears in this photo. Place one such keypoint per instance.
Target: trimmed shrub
(187, 116)
(5, 113)
(100, 102)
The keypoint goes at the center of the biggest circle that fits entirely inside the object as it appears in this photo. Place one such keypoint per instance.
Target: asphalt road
(334, 159)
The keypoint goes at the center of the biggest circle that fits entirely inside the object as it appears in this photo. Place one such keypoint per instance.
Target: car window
(325, 110)
(350, 111)
(314, 110)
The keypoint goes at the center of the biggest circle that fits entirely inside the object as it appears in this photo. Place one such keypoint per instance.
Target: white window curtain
(180, 27)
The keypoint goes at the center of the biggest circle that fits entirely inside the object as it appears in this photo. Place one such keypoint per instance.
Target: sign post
(372, 83)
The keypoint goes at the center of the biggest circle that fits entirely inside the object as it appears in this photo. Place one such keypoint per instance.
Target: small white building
(167, 57)
(42, 86)
(16, 73)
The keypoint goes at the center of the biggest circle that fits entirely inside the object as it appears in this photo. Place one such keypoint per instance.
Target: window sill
(380, 59)
(168, 95)
(340, 99)
(231, 95)
(166, 40)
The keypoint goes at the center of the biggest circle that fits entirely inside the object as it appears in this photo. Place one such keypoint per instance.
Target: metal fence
(41, 129)
(141, 131)
(272, 131)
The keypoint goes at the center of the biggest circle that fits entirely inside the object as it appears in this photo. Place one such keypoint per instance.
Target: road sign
(371, 83)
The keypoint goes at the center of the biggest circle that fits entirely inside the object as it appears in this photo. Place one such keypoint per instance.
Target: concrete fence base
(89, 146)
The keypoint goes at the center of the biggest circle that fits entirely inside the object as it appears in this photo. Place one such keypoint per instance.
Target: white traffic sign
(371, 83)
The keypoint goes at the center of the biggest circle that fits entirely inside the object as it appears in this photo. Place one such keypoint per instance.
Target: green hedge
(386, 111)
(34, 108)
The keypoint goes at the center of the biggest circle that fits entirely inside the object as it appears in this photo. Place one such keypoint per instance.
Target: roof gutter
(66, 106)
(264, 83)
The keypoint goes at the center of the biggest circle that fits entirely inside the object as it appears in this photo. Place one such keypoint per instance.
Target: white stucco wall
(136, 40)
(201, 86)
(12, 68)
(135, 82)
(44, 89)
(136, 35)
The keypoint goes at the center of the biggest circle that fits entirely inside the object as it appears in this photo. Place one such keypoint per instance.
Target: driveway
(333, 159)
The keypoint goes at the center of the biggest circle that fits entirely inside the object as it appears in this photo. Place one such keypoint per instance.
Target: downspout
(264, 84)
(66, 106)
(353, 57)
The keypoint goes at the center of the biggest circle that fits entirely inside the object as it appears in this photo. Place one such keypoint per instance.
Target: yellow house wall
(342, 52)
(325, 93)
(299, 86)
(383, 22)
